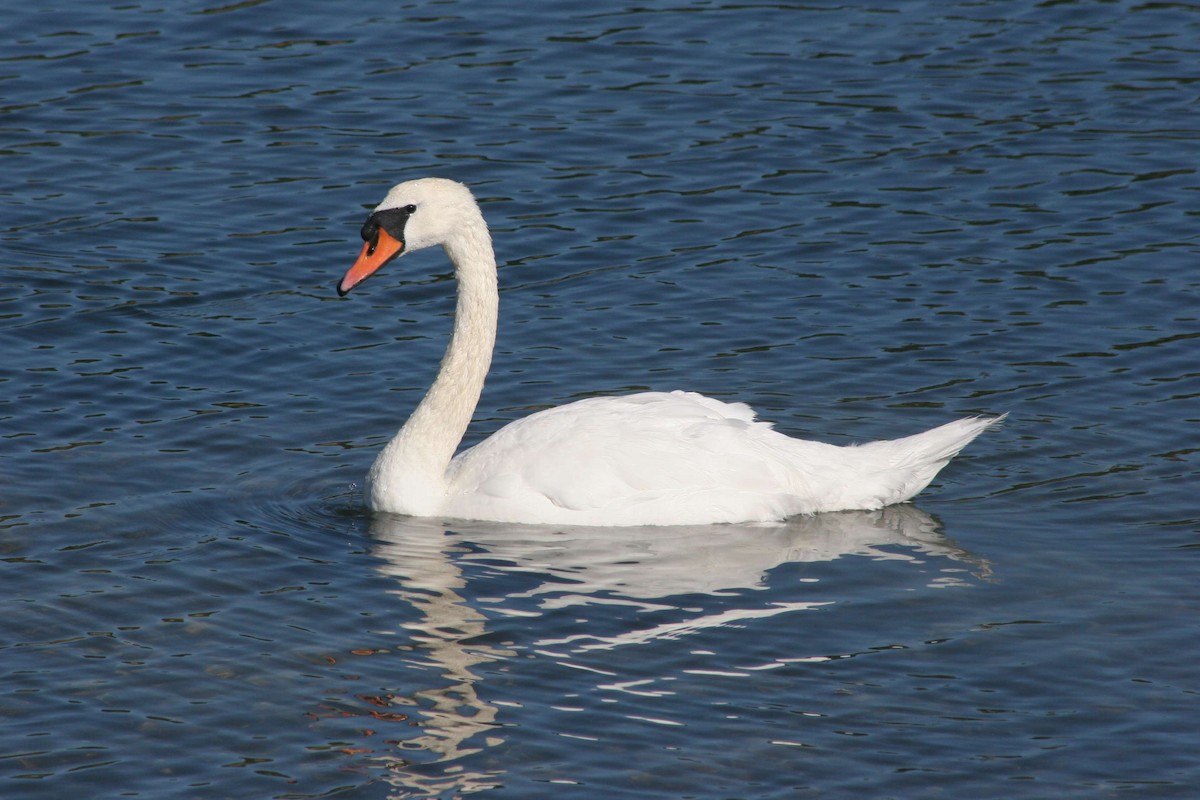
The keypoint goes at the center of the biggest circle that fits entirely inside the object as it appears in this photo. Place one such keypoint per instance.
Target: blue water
(863, 220)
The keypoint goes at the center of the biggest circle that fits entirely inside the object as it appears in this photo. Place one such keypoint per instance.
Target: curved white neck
(409, 475)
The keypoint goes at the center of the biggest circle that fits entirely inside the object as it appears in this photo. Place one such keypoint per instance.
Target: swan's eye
(391, 220)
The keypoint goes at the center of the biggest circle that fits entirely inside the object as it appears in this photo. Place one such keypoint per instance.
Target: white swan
(654, 458)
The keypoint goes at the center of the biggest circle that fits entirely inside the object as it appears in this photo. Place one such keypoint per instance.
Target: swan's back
(675, 458)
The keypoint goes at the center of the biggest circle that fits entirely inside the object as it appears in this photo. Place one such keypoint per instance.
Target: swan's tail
(903, 467)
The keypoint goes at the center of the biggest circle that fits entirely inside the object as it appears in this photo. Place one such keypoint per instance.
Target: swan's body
(654, 458)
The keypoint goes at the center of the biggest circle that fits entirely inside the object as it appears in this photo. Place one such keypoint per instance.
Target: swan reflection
(564, 567)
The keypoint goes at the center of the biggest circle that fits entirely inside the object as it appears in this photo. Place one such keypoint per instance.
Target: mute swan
(653, 458)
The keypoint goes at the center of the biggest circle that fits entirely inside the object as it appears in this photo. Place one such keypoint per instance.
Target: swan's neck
(409, 476)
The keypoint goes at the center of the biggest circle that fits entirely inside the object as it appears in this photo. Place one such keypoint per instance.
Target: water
(862, 220)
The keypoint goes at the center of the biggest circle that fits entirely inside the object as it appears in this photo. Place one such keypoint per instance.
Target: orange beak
(374, 255)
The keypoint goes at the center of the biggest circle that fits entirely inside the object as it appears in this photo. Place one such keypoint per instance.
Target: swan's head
(414, 214)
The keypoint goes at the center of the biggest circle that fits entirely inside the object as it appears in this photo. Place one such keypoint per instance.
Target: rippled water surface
(863, 220)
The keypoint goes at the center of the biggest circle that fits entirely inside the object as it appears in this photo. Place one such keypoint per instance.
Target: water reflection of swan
(453, 712)
(573, 566)
(651, 562)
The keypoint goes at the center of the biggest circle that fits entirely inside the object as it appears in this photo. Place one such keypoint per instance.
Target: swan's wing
(652, 456)
(680, 458)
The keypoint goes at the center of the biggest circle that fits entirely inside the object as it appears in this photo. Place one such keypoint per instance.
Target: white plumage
(654, 458)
